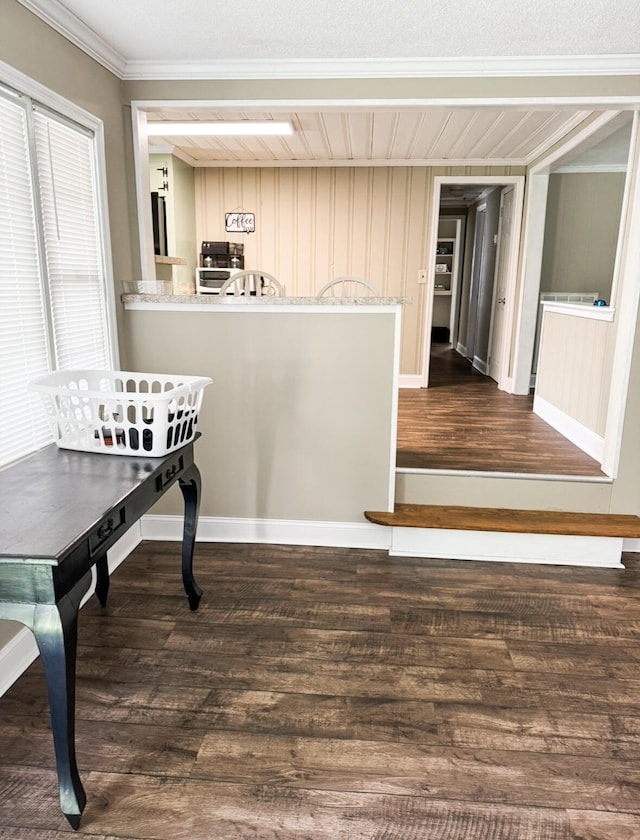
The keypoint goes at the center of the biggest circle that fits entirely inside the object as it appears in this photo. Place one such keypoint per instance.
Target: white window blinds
(23, 336)
(72, 245)
(52, 281)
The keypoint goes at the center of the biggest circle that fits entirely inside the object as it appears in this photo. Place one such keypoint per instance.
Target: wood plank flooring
(328, 693)
(463, 422)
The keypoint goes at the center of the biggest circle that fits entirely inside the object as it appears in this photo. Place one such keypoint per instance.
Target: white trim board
(402, 542)
(480, 365)
(21, 650)
(498, 547)
(274, 531)
(389, 68)
(410, 380)
(583, 438)
(578, 479)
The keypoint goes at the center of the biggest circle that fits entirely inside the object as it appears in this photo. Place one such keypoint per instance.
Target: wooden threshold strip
(460, 518)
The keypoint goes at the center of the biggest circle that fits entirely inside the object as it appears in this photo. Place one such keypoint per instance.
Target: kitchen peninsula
(300, 422)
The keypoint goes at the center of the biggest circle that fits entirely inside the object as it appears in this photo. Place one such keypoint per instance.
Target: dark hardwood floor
(335, 694)
(463, 422)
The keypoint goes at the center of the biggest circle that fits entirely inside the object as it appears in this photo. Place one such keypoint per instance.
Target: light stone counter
(242, 300)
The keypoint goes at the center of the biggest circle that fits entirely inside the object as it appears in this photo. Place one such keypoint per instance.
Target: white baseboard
(410, 380)
(600, 552)
(414, 542)
(509, 384)
(20, 651)
(585, 439)
(462, 349)
(275, 531)
(481, 365)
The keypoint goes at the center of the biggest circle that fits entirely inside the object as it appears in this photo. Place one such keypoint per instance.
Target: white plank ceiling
(376, 137)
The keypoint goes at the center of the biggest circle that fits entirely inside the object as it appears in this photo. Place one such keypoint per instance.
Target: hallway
(463, 422)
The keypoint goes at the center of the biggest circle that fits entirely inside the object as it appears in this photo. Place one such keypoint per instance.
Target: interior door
(505, 243)
(476, 274)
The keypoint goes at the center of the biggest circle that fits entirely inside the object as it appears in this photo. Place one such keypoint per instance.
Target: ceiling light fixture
(212, 129)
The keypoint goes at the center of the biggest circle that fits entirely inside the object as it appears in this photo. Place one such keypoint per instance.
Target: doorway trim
(518, 183)
(532, 246)
(478, 258)
(500, 262)
(625, 292)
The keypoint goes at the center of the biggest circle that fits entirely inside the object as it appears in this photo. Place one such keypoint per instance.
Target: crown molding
(58, 17)
(598, 65)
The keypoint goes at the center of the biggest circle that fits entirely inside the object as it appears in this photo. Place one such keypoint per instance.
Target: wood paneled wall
(574, 367)
(314, 224)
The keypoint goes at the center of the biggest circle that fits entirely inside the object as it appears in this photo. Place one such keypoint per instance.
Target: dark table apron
(60, 511)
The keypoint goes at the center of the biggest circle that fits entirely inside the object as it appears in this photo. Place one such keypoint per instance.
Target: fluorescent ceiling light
(211, 129)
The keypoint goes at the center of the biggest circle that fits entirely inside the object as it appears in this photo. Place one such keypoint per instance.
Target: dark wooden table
(60, 511)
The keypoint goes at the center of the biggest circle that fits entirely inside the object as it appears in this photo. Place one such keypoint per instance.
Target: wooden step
(460, 518)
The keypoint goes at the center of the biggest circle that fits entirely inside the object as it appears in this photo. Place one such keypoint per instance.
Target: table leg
(102, 580)
(56, 630)
(190, 485)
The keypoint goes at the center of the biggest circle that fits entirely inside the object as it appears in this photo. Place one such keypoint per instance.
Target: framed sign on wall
(240, 222)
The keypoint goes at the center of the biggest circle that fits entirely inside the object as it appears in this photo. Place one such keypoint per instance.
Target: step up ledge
(558, 523)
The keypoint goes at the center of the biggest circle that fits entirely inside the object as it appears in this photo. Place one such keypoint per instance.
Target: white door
(477, 261)
(497, 351)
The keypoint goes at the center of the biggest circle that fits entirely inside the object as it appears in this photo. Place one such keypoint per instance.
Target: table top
(51, 498)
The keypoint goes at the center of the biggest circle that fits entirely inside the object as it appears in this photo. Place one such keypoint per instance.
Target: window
(53, 291)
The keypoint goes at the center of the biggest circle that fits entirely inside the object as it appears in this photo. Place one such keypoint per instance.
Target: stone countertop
(243, 300)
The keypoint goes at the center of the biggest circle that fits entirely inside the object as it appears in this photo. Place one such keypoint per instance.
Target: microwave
(209, 281)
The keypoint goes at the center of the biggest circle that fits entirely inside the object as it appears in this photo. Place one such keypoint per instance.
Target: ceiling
(376, 136)
(197, 39)
(280, 30)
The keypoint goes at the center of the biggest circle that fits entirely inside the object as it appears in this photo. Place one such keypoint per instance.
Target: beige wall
(581, 232)
(446, 89)
(528, 494)
(314, 224)
(298, 423)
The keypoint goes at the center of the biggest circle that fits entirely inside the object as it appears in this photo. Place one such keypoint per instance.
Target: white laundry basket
(119, 412)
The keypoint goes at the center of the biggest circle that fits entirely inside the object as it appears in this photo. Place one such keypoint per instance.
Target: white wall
(181, 221)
